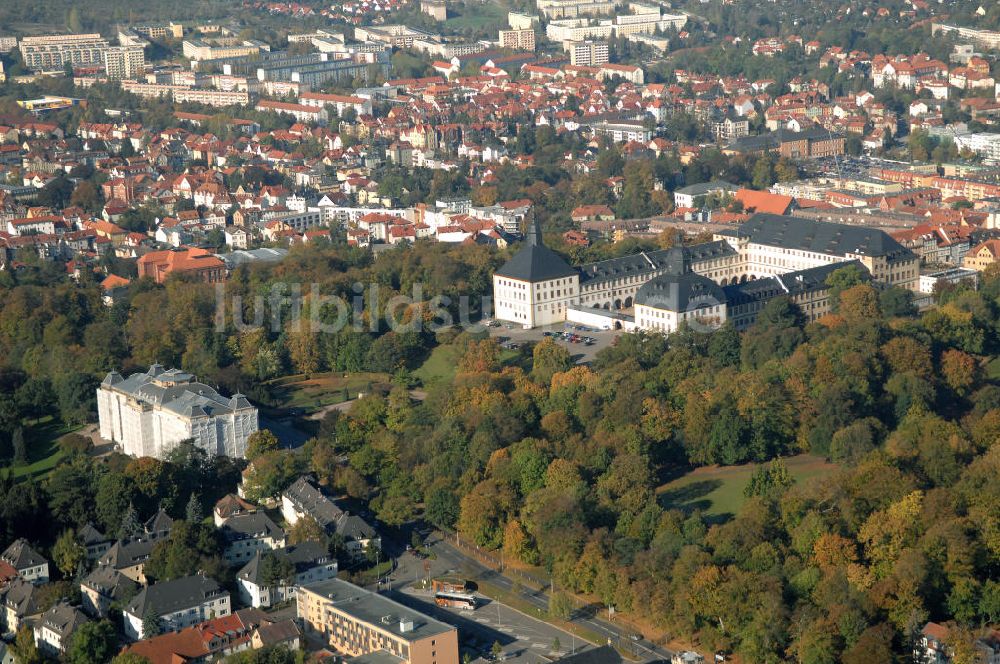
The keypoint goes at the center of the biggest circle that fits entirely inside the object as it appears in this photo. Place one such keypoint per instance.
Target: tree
(87, 196)
(261, 442)
(19, 447)
(24, 649)
(276, 570)
(130, 527)
(549, 358)
(68, 553)
(192, 512)
(560, 605)
(769, 480)
(959, 370)
(95, 641)
(151, 625)
(306, 529)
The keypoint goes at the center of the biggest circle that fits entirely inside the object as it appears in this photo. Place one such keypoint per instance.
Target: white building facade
(147, 414)
(536, 287)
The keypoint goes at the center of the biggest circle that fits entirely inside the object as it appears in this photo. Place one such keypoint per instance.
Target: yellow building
(358, 622)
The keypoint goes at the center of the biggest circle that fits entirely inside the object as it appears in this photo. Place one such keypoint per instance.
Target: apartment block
(160, 30)
(587, 53)
(518, 40)
(356, 622)
(121, 62)
(53, 52)
(221, 47)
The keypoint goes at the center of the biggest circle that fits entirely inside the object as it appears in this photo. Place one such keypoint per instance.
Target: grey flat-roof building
(359, 622)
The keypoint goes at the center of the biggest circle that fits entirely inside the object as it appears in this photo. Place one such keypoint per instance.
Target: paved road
(452, 557)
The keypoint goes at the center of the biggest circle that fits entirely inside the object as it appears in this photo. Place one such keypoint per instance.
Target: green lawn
(321, 389)
(442, 363)
(488, 13)
(439, 365)
(43, 451)
(718, 490)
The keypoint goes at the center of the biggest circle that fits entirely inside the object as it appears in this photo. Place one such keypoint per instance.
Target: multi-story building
(982, 38)
(121, 62)
(104, 587)
(147, 414)
(210, 97)
(397, 36)
(56, 627)
(518, 40)
(187, 94)
(646, 20)
(436, 9)
(159, 30)
(301, 112)
(522, 21)
(7, 44)
(247, 534)
(54, 52)
(305, 498)
(359, 622)
(26, 562)
(20, 601)
(221, 47)
(623, 131)
(340, 102)
(315, 70)
(191, 261)
(983, 144)
(587, 53)
(557, 9)
(175, 604)
(308, 562)
(536, 287)
(982, 255)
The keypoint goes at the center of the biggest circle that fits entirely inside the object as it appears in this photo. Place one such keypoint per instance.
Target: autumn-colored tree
(906, 354)
(859, 304)
(959, 370)
(480, 356)
(548, 359)
(261, 442)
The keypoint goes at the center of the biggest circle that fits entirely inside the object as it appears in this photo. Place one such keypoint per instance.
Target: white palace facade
(147, 414)
(536, 287)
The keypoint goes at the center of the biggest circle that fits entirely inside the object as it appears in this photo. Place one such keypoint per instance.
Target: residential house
(308, 562)
(56, 627)
(247, 534)
(104, 587)
(94, 541)
(305, 498)
(176, 604)
(229, 506)
(30, 565)
(20, 601)
(982, 255)
(214, 639)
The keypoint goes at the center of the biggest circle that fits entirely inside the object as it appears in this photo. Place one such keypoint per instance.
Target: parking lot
(509, 335)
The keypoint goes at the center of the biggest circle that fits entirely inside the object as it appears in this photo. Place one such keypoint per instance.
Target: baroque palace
(730, 278)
